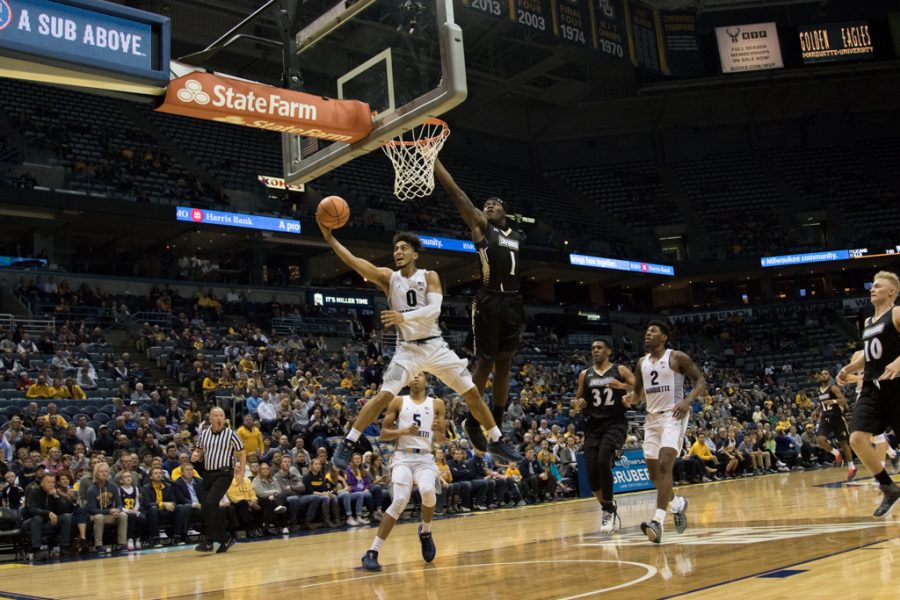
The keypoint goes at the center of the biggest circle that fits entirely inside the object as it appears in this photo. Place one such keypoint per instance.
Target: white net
(413, 154)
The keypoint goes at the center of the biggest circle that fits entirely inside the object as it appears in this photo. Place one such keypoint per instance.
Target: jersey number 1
(512, 259)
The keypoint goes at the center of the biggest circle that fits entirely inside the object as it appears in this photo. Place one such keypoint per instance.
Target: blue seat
(94, 425)
(11, 411)
(108, 409)
(90, 410)
(70, 410)
(101, 417)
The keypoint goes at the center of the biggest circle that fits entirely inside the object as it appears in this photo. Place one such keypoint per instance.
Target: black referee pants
(212, 489)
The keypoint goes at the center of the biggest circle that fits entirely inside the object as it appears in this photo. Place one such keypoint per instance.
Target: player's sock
(883, 478)
(660, 516)
(377, 544)
(836, 452)
(354, 435)
(677, 504)
(426, 527)
(892, 454)
(494, 433)
(498, 412)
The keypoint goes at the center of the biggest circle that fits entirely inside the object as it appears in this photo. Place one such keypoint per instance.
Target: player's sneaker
(891, 495)
(504, 450)
(653, 531)
(608, 522)
(475, 434)
(428, 549)
(838, 459)
(680, 517)
(851, 472)
(342, 454)
(895, 461)
(370, 561)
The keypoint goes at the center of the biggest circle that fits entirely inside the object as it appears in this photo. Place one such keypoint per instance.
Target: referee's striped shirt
(219, 448)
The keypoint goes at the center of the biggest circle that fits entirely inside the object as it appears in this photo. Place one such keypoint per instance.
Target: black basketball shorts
(498, 321)
(833, 427)
(878, 407)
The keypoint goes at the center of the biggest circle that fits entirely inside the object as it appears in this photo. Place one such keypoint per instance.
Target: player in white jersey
(416, 422)
(659, 381)
(415, 298)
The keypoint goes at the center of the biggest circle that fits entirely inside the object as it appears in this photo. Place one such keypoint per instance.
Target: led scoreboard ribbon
(786, 260)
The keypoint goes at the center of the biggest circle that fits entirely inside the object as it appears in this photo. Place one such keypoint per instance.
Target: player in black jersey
(601, 389)
(832, 424)
(498, 313)
(878, 406)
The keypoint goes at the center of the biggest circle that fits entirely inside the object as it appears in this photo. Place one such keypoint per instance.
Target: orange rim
(431, 121)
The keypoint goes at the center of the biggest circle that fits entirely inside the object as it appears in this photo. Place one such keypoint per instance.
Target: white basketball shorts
(434, 357)
(663, 431)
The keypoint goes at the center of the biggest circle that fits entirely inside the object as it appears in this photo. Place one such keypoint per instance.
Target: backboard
(404, 58)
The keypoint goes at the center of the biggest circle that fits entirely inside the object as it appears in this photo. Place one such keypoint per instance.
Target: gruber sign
(211, 97)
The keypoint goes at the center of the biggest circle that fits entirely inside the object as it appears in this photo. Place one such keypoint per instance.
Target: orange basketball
(333, 212)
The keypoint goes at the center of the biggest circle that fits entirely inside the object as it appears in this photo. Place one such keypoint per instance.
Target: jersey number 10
(873, 349)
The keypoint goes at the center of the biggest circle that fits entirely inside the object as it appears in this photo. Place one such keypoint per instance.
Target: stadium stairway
(123, 342)
(170, 147)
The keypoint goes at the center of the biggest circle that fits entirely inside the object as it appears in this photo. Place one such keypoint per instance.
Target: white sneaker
(130, 545)
(138, 545)
(606, 522)
(280, 509)
(352, 522)
(193, 532)
(285, 531)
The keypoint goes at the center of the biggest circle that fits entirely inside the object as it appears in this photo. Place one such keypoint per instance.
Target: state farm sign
(206, 96)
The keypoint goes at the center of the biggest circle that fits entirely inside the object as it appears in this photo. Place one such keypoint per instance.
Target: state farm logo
(192, 92)
(197, 215)
(5, 14)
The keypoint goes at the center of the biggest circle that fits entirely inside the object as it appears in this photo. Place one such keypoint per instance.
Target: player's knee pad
(401, 499)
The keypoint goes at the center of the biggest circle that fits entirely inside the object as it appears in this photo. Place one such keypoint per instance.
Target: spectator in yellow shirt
(702, 451)
(251, 437)
(40, 389)
(48, 442)
(244, 510)
(70, 390)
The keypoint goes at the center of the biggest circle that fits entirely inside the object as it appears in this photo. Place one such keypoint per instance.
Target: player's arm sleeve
(431, 310)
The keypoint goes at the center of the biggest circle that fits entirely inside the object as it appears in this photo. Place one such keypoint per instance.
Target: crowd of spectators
(128, 465)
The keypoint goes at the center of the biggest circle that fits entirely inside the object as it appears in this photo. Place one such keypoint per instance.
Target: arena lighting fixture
(27, 214)
(336, 16)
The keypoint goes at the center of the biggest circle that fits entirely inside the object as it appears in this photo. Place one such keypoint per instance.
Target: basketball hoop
(413, 154)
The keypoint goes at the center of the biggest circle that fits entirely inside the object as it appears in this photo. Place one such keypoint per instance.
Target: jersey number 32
(598, 396)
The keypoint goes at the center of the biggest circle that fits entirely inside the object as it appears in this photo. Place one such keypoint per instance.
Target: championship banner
(608, 21)
(571, 21)
(531, 14)
(277, 183)
(239, 102)
(644, 36)
(680, 51)
(630, 472)
(752, 47)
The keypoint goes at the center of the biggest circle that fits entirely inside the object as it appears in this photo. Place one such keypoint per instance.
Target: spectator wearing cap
(104, 442)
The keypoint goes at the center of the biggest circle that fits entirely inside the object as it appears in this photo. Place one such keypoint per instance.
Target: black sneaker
(653, 531)
(475, 434)
(224, 546)
(502, 449)
(370, 561)
(428, 549)
(681, 518)
(342, 454)
(204, 546)
(891, 495)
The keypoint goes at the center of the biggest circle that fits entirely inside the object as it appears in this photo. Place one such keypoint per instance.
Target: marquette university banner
(629, 474)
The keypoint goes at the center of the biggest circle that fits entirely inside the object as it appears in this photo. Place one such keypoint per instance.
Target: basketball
(333, 212)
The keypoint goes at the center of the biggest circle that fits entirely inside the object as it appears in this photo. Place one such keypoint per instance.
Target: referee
(220, 446)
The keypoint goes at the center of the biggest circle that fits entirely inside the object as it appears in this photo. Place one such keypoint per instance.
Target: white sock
(354, 435)
(891, 452)
(426, 526)
(494, 433)
(660, 516)
(836, 452)
(377, 544)
(676, 505)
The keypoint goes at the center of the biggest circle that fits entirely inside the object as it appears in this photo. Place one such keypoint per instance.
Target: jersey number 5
(417, 419)
(598, 396)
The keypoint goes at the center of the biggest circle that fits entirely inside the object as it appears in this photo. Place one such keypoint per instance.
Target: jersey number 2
(598, 396)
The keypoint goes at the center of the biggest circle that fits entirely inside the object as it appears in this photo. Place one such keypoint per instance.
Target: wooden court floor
(780, 536)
